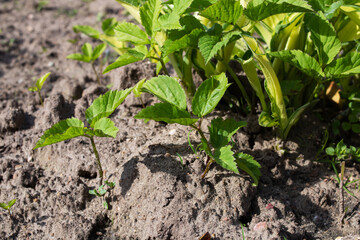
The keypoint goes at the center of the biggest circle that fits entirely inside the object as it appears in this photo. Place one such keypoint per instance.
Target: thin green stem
(161, 61)
(101, 173)
(314, 92)
(96, 74)
(242, 89)
(41, 100)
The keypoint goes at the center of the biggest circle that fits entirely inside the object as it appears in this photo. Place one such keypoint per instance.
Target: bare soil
(156, 196)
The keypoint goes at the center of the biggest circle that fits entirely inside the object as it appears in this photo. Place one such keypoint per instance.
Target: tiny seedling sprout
(38, 86)
(7, 206)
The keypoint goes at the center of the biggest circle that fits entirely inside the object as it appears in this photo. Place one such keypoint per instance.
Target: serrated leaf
(345, 66)
(225, 158)
(209, 45)
(137, 88)
(105, 105)
(247, 163)
(41, 80)
(227, 11)
(188, 40)
(61, 131)
(171, 20)
(209, 94)
(301, 60)
(87, 30)
(265, 120)
(130, 32)
(166, 112)
(125, 59)
(324, 37)
(78, 57)
(98, 50)
(167, 89)
(104, 127)
(221, 131)
(258, 10)
(149, 13)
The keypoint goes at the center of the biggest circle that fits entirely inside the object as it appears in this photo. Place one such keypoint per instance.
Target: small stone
(261, 226)
(172, 131)
(18, 167)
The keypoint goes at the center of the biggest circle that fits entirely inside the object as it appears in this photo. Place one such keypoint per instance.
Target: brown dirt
(156, 197)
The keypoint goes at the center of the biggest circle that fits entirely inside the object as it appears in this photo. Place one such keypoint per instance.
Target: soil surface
(156, 196)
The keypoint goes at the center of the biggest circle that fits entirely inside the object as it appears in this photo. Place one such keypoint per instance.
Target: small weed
(101, 191)
(7, 206)
(38, 86)
(41, 4)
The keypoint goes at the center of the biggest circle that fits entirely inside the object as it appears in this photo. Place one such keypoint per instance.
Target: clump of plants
(99, 125)
(38, 86)
(173, 109)
(89, 55)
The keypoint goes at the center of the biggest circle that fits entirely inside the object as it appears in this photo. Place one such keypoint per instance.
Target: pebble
(261, 226)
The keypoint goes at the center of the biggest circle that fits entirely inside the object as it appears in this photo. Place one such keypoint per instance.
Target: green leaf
(324, 37)
(258, 10)
(221, 131)
(225, 158)
(87, 50)
(33, 89)
(78, 57)
(135, 3)
(228, 11)
(209, 94)
(11, 203)
(247, 163)
(345, 66)
(41, 80)
(301, 60)
(171, 20)
(98, 50)
(167, 89)
(137, 88)
(355, 128)
(87, 30)
(188, 40)
(149, 13)
(108, 26)
(166, 112)
(129, 32)
(125, 59)
(104, 127)
(209, 44)
(7, 206)
(330, 151)
(105, 105)
(265, 120)
(61, 131)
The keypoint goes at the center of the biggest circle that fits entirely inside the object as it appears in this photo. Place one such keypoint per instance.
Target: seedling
(173, 109)
(99, 125)
(41, 4)
(7, 206)
(340, 154)
(101, 191)
(89, 55)
(38, 86)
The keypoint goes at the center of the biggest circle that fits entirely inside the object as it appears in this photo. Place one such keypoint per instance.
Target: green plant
(173, 109)
(101, 191)
(38, 86)
(41, 4)
(89, 55)
(99, 125)
(340, 154)
(7, 206)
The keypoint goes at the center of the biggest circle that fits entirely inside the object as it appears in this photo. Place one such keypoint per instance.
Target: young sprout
(89, 55)
(99, 125)
(101, 191)
(7, 206)
(38, 85)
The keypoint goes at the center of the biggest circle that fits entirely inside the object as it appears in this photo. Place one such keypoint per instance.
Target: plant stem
(96, 74)
(163, 66)
(341, 207)
(97, 159)
(41, 101)
(242, 89)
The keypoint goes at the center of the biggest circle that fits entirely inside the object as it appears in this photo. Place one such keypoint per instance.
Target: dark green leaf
(247, 163)
(104, 127)
(221, 131)
(61, 131)
(188, 40)
(166, 112)
(324, 36)
(345, 66)
(108, 26)
(209, 94)
(149, 13)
